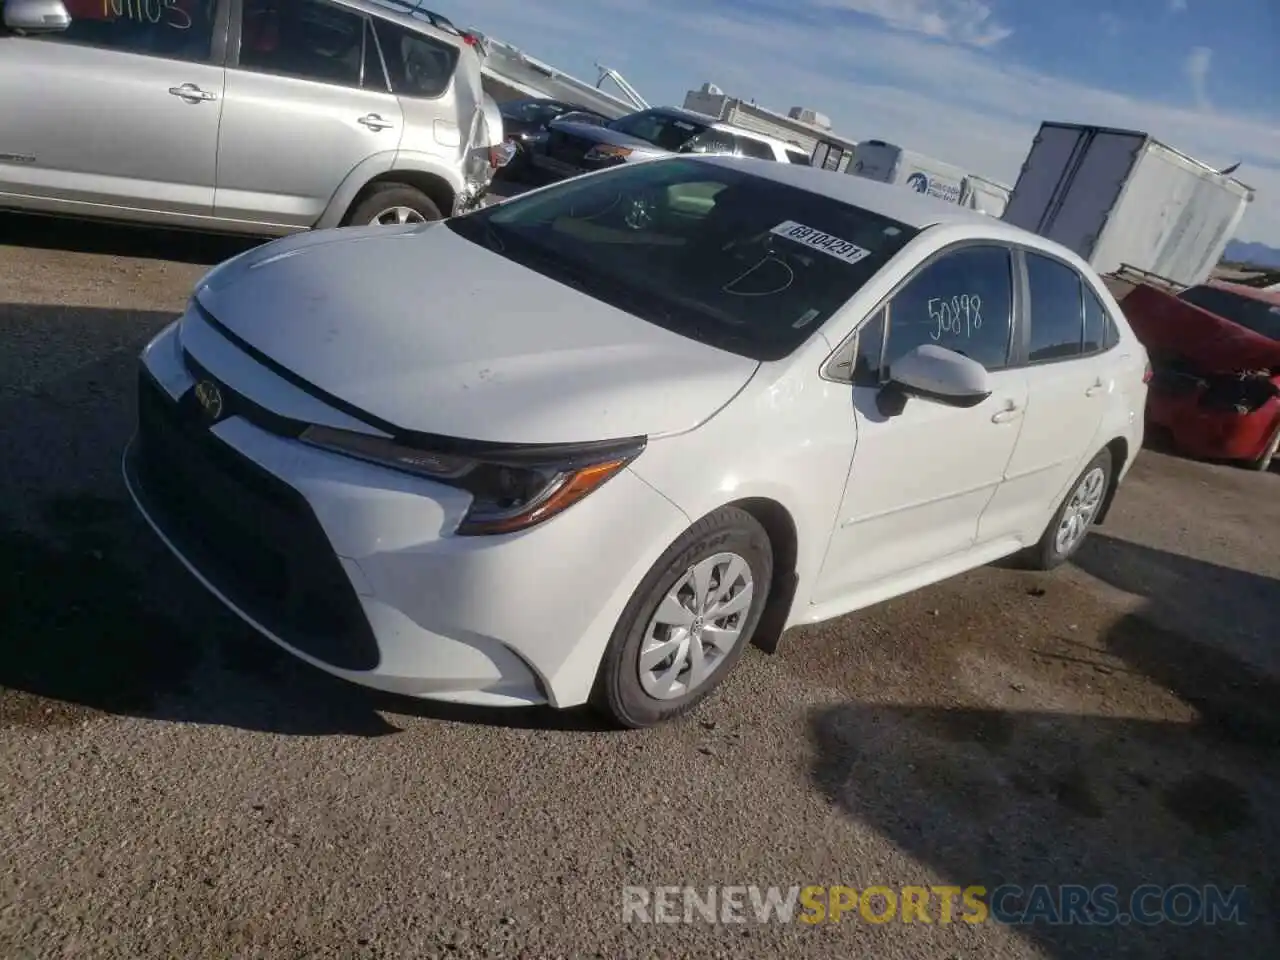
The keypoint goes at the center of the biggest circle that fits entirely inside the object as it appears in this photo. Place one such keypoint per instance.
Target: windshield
(704, 249)
(661, 129)
(1256, 315)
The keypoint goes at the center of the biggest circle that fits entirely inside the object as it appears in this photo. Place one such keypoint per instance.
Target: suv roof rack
(414, 8)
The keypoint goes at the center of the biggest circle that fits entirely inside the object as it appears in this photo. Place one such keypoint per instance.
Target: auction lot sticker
(816, 239)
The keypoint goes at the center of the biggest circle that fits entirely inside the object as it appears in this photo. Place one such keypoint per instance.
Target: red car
(1215, 355)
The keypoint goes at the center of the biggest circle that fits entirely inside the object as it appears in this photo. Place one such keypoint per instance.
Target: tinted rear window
(709, 251)
(1256, 315)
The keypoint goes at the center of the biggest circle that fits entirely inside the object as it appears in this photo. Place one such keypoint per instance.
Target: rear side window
(1057, 311)
(1100, 331)
(755, 148)
(799, 157)
(304, 39)
(417, 65)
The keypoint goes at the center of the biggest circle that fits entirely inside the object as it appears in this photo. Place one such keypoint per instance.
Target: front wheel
(688, 621)
(1074, 518)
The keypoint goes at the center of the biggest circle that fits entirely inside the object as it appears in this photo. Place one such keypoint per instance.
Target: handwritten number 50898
(957, 316)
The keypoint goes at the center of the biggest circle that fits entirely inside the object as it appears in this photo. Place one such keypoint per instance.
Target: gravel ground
(189, 792)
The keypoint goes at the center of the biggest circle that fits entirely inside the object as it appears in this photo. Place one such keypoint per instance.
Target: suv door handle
(1009, 412)
(1097, 388)
(192, 94)
(375, 122)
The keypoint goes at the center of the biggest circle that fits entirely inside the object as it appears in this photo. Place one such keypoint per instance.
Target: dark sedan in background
(525, 125)
(571, 148)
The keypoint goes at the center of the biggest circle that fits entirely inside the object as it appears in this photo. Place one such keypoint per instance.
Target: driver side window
(962, 301)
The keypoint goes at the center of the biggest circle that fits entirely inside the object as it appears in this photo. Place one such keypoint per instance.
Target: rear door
(307, 100)
(117, 113)
(1071, 376)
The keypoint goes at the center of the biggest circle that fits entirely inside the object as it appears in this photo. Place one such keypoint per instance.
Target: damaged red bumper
(1216, 386)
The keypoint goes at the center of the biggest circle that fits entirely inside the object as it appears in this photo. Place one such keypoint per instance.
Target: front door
(306, 102)
(120, 110)
(920, 480)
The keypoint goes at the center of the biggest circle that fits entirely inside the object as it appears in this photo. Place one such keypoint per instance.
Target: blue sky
(962, 80)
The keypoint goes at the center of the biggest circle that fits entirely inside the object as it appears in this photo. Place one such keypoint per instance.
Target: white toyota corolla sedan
(585, 445)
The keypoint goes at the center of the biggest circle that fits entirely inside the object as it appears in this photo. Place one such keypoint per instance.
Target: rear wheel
(688, 621)
(1074, 518)
(392, 204)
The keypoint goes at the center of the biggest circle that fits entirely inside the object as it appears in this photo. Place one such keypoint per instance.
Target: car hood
(588, 131)
(430, 332)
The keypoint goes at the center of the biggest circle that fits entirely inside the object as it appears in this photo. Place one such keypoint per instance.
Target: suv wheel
(391, 204)
(688, 621)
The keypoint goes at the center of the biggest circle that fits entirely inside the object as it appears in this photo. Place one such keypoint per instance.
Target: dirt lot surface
(174, 787)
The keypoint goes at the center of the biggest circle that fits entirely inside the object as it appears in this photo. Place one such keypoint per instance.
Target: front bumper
(353, 567)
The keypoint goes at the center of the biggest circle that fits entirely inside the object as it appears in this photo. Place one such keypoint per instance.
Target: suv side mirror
(36, 16)
(934, 373)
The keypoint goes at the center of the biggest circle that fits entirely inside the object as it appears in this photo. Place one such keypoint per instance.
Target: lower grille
(251, 535)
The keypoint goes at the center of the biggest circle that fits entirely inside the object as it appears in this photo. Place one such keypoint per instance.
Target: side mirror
(934, 373)
(36, 16)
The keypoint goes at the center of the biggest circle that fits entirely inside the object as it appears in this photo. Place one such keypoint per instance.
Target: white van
(889, 163)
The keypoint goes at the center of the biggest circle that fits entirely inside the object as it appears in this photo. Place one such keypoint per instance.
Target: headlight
(607, 151)
(514, 490)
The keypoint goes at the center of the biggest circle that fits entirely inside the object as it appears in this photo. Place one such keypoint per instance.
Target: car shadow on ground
(1032, 796)
(97, 615)
(120, 240)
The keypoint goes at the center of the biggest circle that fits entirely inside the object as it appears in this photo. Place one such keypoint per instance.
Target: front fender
(380, 165)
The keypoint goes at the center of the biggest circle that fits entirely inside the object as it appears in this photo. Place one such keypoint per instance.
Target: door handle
(375, 122)
(1008, 413)
(192, 94)
(1097, 388)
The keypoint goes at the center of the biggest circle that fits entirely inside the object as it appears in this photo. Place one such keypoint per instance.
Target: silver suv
(255, 116)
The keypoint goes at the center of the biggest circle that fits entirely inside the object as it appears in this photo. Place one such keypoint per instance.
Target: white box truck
(889, 163)
(1121, 199)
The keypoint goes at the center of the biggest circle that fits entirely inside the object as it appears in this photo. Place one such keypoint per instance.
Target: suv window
(305, 39)
(419, 65)
(962, 301)
(799, 156)
(1057, 310)
(758, 149)
(173, 29)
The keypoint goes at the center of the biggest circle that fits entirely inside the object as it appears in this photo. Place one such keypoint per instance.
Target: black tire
(385, 196)
(1263, 463)
(1045, 555)
(619, 693)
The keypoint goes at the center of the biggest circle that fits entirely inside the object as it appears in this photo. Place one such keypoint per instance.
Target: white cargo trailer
(889, 163)
(1121, 199)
